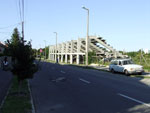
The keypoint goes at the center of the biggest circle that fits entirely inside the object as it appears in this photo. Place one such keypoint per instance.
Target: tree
(23, 58)
(91, 58)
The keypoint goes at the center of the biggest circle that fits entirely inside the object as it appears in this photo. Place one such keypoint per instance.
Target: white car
(125, 66)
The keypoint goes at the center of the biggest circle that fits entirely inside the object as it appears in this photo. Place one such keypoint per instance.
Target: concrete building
(74, 50)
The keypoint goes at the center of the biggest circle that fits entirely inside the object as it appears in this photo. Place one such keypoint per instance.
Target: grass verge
(140, 76)
(15, 103)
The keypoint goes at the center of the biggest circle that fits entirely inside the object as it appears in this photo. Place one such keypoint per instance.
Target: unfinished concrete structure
(74, 50)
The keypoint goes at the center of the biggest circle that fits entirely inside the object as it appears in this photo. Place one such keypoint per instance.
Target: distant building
(146, 51)
(2, 48)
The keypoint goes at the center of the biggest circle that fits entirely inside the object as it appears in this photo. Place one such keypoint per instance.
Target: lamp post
(87, 38)
(56, 48)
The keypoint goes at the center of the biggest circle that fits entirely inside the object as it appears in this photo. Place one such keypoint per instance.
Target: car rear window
(126, 62)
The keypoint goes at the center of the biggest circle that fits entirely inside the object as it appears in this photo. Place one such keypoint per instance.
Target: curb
(31, 100)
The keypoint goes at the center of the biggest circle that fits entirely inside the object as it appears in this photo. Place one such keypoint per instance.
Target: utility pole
(23, 30)
(22, 19)
(87, 38)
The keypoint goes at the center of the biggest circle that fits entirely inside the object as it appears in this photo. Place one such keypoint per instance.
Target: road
(5, 79)
(87, 91)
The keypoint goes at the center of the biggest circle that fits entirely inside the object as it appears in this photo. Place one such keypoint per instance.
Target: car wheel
(140, 73)
(126, 73)
(112, 70)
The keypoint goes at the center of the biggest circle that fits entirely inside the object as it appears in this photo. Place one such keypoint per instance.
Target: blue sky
(125, 24)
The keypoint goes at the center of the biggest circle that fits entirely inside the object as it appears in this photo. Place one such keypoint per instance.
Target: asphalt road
(68, 89)
(5, 80)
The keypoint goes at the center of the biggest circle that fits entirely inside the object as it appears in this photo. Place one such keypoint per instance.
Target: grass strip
(17, 103)
(140, 76)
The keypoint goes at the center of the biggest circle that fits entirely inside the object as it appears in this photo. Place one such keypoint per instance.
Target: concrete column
(62, 51)
(55, 53)
(71, 56)
(52, 54)
(71, 59)
(66, 58)
(115, 54)
(53, 57)
(66, 55)
(77, 60)
(58, 57)
(78, 50)
(62, 56)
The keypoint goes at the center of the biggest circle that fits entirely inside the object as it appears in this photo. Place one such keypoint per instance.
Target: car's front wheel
(126, 73)
(112, 70)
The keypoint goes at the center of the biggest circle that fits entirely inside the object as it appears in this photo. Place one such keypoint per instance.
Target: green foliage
(136, 57)
(22, 55)
(91, 58)
(133, 54)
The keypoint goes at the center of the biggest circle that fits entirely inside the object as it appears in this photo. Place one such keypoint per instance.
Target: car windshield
(126, 62)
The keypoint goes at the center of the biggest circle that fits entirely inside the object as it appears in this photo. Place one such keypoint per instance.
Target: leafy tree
(23, 65)
(91, 58)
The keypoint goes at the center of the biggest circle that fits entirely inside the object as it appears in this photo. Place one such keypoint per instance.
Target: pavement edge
(31, 100)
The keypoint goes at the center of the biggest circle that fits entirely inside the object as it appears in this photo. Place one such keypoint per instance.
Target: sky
(124, 24)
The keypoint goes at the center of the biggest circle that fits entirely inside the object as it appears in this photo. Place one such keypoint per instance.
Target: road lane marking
(62, 72)
(84, 81)
(130, 98)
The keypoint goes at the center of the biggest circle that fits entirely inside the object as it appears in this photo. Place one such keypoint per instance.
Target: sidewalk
(5, 80)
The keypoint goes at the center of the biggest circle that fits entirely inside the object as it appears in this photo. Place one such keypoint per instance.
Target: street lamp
(56, 48)
(87, 38)
(45, 48)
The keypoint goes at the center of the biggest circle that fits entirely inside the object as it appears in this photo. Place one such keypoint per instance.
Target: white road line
(84, 81)
(138, 101)
(62, 72)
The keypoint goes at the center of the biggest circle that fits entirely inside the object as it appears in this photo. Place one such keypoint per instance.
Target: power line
(5, 32)
(10, 26)
(20, 10)
(23, 10)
